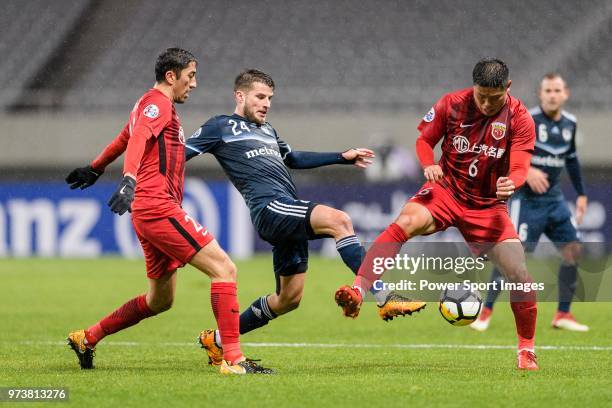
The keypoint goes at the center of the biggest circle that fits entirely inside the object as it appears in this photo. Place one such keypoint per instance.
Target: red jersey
(476, 148)
(160, 177)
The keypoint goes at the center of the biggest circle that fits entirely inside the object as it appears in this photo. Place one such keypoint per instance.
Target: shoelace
(252, 363)
(92, 351)
(531, 355)
(395, 296)
(84, 348)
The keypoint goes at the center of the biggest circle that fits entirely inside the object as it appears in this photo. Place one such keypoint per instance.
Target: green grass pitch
(321, 358)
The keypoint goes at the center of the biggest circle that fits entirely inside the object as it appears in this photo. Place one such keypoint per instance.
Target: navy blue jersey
(555, 149)
(251, 155)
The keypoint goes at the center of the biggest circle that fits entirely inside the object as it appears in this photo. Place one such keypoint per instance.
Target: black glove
(122, 198)
(83, 177)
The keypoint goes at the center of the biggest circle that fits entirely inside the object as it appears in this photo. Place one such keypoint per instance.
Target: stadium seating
(30, 33)
(323, 54)
(589, 71)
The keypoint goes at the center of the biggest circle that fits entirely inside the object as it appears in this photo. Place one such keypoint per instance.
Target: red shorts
(170, 241)
(481, 227)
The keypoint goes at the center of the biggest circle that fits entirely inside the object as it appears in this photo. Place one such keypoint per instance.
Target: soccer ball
(460, 307)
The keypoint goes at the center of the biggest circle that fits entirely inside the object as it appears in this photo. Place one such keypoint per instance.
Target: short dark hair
(173, 59)
(245, 79)
(490, 73)
(553, 75)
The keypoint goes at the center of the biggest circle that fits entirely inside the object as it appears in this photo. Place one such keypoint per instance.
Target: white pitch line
(334, 345)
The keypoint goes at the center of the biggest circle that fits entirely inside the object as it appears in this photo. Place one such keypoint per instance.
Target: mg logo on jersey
(461, 144)
(498, 130)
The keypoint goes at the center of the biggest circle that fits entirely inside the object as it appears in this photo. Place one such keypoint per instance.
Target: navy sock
(256, 315)
(492, 295)
(568, 275)
(352, 253)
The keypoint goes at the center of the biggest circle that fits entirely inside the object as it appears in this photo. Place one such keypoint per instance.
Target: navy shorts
(285, 223)
(534, 217)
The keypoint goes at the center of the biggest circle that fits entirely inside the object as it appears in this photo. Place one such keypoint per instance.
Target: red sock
(386, 245)
(127, 315)
(525, 311)
(227, 313)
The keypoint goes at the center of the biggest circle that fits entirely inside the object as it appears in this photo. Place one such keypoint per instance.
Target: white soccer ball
(460, 307)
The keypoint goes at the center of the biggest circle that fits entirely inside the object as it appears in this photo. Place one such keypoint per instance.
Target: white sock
(217, 338)
(381, 296)
(361, 291)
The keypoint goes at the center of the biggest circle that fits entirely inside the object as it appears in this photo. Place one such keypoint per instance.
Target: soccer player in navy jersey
(540, 206)
(256, 161)
(487, 137)
(152, 190)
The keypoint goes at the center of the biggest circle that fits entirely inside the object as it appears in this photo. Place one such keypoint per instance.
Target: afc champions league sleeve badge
(498, 130)
(151, 111)
(429, 116)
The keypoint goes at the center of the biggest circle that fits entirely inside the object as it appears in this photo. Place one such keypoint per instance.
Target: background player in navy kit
(256, 160)
(540, 207)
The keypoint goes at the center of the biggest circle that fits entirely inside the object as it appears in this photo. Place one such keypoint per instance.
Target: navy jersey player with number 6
(256, 160)
(540, 207)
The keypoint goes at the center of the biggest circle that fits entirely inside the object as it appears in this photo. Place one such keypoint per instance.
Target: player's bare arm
(433, 173)
(581, 207)
(537, 180)
(360, 156)
(505, 188)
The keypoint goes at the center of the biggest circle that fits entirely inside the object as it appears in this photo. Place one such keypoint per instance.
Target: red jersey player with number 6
(152, 189)
(488, 138)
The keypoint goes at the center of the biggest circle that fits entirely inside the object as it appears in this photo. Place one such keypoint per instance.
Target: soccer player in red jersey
(487, 138)
(152, 189)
